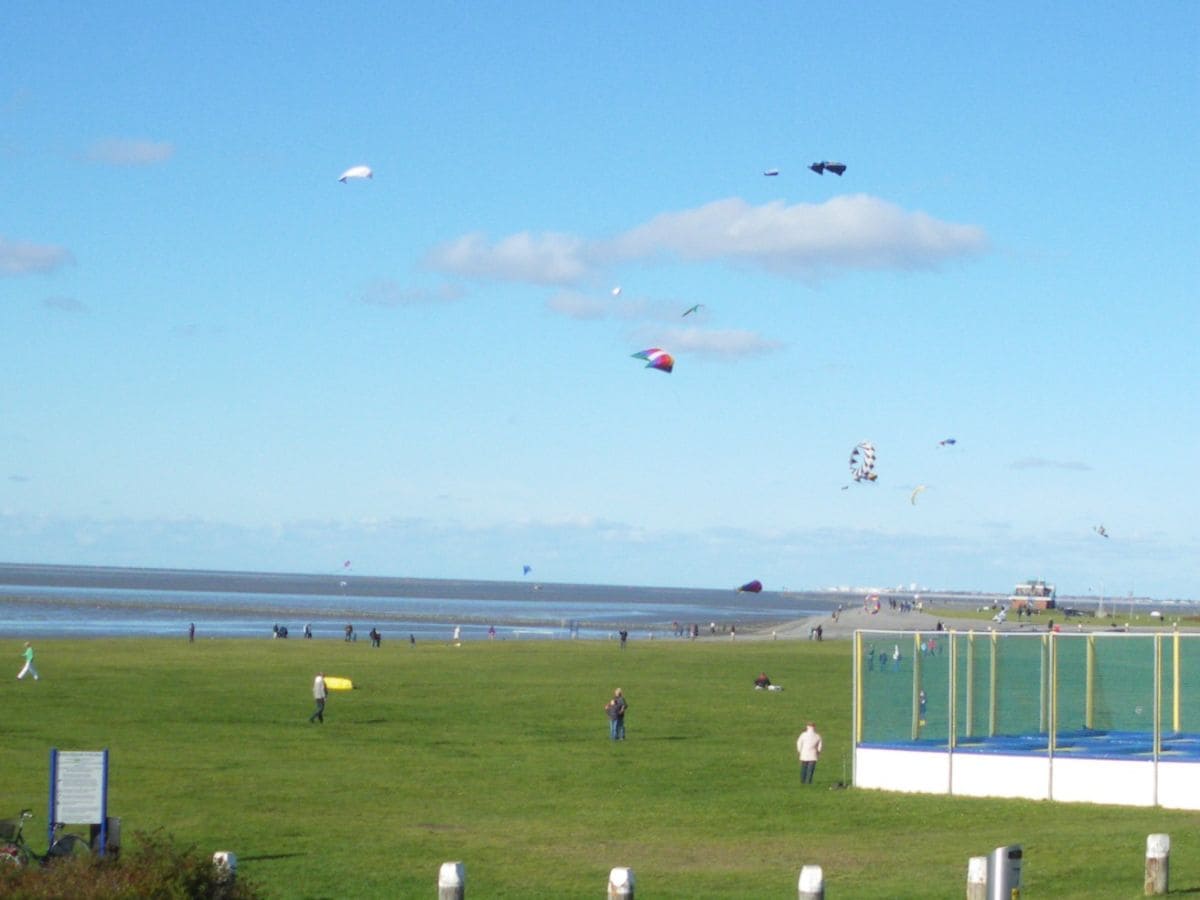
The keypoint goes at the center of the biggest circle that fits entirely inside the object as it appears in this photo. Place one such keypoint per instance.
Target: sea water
(64, 601)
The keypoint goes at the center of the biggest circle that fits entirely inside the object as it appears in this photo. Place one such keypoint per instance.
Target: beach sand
(949, 614)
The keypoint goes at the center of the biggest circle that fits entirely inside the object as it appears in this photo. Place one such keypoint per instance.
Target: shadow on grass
(668, 737)
(261, 857)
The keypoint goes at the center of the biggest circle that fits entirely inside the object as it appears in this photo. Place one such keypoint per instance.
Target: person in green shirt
(28, 668)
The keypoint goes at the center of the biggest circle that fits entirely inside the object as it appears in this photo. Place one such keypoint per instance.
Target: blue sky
(215, 355)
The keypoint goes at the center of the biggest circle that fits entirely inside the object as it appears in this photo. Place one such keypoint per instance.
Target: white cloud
(722, 343)
(65, 304)
(385, 292)
(804, 240)
(126, 152)
(24, 258)
(577, 305)
(1038, 462)
(524, 257)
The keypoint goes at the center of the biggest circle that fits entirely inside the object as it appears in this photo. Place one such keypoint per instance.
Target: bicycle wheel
(69, 845)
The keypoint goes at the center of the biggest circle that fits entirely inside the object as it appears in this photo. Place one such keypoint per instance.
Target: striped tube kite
(862, 462)
(657, 359)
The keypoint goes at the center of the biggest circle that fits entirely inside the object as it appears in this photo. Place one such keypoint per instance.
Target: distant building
(1032, 595)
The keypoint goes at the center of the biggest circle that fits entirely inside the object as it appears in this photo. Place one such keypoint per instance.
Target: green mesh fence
(922, 686)
(1183, 695)
(1123, 683)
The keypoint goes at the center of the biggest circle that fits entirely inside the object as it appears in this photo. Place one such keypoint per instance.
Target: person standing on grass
(808, 748)
(615, 708)
(320, 692)
(28, 668)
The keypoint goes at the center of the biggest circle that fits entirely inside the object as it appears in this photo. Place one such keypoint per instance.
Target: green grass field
(497, 754)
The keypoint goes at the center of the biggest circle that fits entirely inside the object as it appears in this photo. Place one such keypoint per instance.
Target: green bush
(152, 867)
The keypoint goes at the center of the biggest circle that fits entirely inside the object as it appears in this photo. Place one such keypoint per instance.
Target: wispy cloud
(25, 258)
(385, 292)
(726, 343)
(129, 152)
(803, 240)
(18, 479)
(198, 330)
(578, 305)
(547, 259)
(1038, 462)
(65, 304)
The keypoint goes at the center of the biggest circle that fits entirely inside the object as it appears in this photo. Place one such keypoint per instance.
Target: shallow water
(53, 601)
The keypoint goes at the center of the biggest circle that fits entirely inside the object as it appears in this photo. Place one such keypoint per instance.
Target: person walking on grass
(320, 692)
(28, 668)
(808, 748)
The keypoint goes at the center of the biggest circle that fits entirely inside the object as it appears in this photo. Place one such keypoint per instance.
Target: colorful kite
(912, 498)
(948, 442)
(751, 587)
(657, 359)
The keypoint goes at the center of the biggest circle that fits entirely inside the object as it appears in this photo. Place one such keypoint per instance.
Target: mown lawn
(497, 754)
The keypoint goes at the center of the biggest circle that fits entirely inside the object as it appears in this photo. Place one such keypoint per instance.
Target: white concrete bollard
(452, 881)
(977, 878)
(225, 863)
(1158, 863)
(620, 884)
(812, 883)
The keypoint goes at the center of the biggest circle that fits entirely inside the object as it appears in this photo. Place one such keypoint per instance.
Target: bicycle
(15, 851)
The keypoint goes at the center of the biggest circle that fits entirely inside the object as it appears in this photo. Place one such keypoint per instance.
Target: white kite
(356, 172)
(862, 462)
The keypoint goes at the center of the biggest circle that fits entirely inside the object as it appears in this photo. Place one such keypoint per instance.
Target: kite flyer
(28, 667)
(615, 708)
(320, 692)
(808, 748)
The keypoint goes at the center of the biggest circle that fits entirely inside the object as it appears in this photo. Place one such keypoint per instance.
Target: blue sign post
(79, 791)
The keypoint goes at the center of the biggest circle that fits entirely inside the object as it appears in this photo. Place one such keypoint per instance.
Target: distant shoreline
(151, 578)
(101, 597)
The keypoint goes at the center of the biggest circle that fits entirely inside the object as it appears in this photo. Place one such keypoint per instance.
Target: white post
(620, 884)
(225, 863)
(977, 878)
(452, 881)
(1158, 863)
(812, 883)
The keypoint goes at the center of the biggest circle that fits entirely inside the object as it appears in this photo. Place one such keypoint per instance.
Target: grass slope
(497, 754)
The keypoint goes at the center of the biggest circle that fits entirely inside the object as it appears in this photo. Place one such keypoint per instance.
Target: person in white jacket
(320, 692)
(808, 748)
